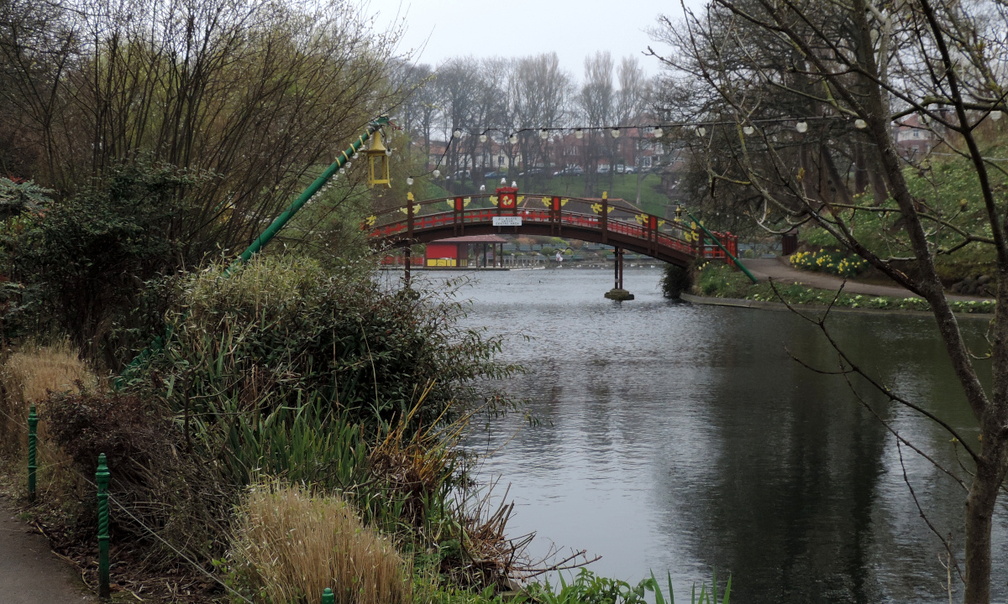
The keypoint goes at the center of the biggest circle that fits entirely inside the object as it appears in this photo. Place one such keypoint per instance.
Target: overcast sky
(443, 29)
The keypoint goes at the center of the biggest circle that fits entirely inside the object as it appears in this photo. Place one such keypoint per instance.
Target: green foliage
(18, 197)
(85, 261)
(589, 588)
(292, 443)
(289, 371)
(427, 592)
(586, 588)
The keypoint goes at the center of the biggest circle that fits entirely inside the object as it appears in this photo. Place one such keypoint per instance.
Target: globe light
(615, 132)
(995, 115)
(409, 181)
(457, 133)
(658, 132)
(483, 138)
(701, 131)
(543, 133)
(860, 124)
(748, 130)
(578, 133)
(513, 138)
(802, 126)
(436, 173)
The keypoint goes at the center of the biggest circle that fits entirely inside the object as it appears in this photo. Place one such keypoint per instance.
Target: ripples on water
(685, 438)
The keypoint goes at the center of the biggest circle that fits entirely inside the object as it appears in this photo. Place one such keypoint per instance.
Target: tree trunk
(992, 460)
(979, 514)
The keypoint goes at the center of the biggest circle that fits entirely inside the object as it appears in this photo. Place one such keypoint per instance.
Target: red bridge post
(555, 216)
(407, 247)
(604, 217)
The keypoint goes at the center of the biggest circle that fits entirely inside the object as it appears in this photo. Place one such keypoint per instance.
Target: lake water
(686, 438)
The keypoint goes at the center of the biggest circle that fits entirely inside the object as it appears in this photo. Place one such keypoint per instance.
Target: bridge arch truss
(612, 222)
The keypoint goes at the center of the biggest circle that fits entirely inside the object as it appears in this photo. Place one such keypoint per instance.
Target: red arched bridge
(601, 220)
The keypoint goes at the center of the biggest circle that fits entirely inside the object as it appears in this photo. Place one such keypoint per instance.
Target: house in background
(914, 138)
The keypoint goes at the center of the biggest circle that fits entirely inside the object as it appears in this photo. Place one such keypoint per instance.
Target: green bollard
(102, 478)
(328, 597)
(32, 428)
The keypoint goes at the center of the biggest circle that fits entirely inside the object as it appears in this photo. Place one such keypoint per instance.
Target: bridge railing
(613, 216)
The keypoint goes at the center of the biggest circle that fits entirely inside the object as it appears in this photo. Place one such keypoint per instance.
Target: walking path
(30, 573)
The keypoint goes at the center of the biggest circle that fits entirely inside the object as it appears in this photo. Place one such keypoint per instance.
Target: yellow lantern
(378, 161)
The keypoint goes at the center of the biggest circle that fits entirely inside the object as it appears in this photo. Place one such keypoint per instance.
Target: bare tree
(494, 113)
(456, 84)
(596, 107)
(416, 114)
(252, 93)
(858, 67)
(541, 91)
(632, 98)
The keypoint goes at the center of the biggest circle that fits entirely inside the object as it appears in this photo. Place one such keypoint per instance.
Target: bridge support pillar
(617, 292)
(406, 265)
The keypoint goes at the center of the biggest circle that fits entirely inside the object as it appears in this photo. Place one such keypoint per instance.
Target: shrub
(282, 331)
(290, 545)
(131, 431)
(675, 281)
(84, 261)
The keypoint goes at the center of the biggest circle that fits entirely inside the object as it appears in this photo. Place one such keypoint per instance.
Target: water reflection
(683, 438)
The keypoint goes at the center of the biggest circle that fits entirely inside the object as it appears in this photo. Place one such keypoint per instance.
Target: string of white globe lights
(652, 131)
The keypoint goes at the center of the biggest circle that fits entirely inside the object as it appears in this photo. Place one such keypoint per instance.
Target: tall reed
(290, 545)
(26, 378)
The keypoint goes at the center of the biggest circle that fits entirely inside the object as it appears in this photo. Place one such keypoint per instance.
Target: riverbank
(779, 285)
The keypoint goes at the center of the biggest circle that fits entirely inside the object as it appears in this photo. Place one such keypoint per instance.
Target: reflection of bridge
(608, 221)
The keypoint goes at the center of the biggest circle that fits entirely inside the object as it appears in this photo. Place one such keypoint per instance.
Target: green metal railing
(279, 222)
(717, 242)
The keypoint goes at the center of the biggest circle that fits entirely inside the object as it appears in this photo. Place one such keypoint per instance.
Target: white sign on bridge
(507, 221)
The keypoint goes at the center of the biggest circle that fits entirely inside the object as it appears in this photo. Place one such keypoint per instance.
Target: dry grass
(25, 379)
(291, 545)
